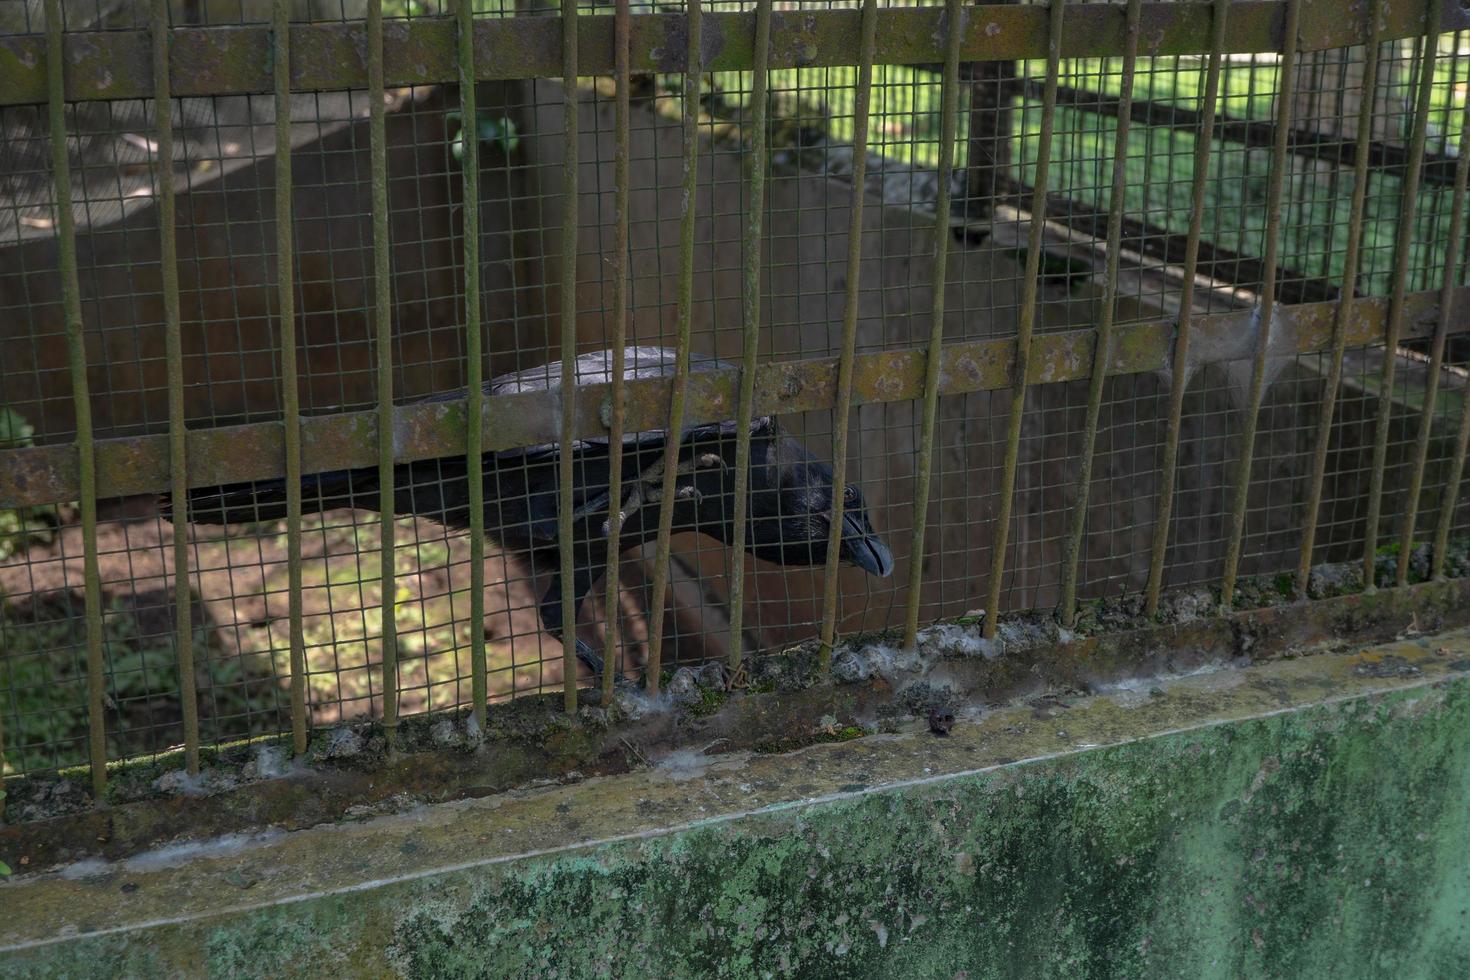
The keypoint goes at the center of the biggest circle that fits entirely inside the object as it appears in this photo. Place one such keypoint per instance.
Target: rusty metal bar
(383, 314)
(1436, 358)
(842, 410)
(474, 355)
(568, 353)
(1345, 305)
(949, 111)
(622, 194)
(1102, 345)
(232, 60)
(678, 396)
(1265, 308)
(168, 274)
(76, 351)
(1021, 369)
(1179, 371)
(1454, 250)
(254, 451)
(290, 385)
(1403, 246)
(750, 308)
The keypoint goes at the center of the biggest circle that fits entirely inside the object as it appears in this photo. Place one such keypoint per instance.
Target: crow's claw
(648, 488)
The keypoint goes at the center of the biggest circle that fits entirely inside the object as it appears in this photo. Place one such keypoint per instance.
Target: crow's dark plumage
(789, 506)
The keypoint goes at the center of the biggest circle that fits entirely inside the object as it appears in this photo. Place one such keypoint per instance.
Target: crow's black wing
(538, 487)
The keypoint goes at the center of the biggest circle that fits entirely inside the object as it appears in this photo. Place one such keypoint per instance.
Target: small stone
(1326, 581)
(269, 762)
(172, 782)
(443, 733)
(712, 676)
(1187, 607)
(851, 667)
(683, 687)
(341, 743)
(631, 705)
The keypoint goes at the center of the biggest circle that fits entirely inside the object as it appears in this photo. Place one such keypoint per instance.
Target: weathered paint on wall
(1309, 820)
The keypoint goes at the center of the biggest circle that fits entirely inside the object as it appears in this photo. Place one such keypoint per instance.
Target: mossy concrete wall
(1302, 818)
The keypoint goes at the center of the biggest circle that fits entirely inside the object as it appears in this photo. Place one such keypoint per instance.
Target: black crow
(789, 506)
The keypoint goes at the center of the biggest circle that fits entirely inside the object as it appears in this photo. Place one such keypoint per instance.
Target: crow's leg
(551, 617)
(647, 488)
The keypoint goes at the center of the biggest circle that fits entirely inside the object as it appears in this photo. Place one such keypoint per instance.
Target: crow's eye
(849, 496)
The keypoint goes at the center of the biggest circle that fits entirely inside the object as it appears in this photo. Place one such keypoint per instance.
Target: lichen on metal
(84, 450)
(1339, 325)
(750, 311)
(1021, 367)
(678, 402)
(1179, 371)
(1264, 316)
(1103, 336)
(236, 59)
(475, 424)
(847, 345)
(949, 110)
(237, 453)
(290, 423)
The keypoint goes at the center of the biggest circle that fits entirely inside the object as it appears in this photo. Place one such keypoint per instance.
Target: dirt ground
(241, 635)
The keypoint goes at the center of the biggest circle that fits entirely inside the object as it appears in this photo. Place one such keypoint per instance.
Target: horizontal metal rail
(1328, 147)
(1157, 242)
(236, 60)
(230, 454)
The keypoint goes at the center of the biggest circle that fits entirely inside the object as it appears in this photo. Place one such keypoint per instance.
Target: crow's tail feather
(265, 500)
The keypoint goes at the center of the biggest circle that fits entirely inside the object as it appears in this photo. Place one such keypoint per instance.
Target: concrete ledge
(1301, 817)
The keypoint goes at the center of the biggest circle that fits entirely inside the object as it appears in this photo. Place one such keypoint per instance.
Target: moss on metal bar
(235, 59)
(228, 454)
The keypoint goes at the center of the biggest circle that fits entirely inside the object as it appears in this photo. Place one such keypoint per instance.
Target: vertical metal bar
(750, 297)
(1103, 335)
(1266, 309)
(1020, 371)
(383, 313)
(674, 433)
(622, 194)
(1403, 247)
(1436, 362)
(1345, 300)
(949, 111)
(1179, 376)
(568, 350)
(290, 391)
(474, 357)
(76, 348)
(842, 410)
(168, 273)
(1454, 255)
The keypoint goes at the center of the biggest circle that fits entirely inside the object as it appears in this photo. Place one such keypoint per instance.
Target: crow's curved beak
(862, 547)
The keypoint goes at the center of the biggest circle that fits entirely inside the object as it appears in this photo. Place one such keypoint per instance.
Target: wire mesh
(223, 175)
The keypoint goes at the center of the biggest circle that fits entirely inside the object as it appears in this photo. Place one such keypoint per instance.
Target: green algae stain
(1325, 842)
(1299, 845)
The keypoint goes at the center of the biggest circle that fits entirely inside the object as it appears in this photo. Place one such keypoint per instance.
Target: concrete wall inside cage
(226, 235)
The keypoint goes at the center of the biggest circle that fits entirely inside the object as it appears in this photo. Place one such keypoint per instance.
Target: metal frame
(164, 63)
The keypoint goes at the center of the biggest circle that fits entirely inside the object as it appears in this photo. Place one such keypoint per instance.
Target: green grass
(904, 128)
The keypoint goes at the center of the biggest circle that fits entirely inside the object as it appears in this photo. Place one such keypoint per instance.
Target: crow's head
(791, 511)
